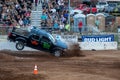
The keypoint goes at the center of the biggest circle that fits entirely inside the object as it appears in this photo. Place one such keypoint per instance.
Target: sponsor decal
(98, 38)
(34, 42)
(46, 45)
(70, 38)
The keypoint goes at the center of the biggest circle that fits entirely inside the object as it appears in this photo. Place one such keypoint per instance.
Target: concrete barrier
(98, 45)
(3, 38)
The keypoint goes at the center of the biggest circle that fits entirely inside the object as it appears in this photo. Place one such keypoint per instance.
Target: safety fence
(86, 29)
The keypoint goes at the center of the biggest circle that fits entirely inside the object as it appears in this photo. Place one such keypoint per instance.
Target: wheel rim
(19, 46)
(57, 53)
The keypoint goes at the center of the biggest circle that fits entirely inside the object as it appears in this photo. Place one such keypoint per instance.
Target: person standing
(97, 23)
(67, 27)
(44, 18)
(80, 24)
(36, 3)
(56, 26)
(62, 26)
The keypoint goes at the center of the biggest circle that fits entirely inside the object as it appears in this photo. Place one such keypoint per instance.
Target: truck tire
(57, 52)
(20, 45)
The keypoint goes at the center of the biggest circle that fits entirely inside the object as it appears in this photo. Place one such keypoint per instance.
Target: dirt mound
(74, 51)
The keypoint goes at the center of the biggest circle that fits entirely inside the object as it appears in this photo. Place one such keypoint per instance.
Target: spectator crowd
(15, 12)
(55, 14)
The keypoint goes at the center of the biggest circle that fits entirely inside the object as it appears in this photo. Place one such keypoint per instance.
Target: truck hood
(61, 44)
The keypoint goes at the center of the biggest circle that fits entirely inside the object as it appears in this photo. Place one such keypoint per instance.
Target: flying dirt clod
(74, 50)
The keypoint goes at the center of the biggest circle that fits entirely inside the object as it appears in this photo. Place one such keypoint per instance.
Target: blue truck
(38, 39)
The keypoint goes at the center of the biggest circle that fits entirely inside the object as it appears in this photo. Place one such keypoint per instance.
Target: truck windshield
(51, 38)
(102, 3)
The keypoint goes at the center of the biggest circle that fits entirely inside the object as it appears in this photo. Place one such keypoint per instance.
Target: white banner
(98, 45)
(67, 38)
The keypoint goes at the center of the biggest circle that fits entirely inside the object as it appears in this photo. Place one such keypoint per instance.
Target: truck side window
(45, 39)
(35, 37)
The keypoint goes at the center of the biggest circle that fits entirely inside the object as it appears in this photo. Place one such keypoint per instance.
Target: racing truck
(37, 38)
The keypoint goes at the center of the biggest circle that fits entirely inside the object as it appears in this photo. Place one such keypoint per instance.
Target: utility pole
(69, 11)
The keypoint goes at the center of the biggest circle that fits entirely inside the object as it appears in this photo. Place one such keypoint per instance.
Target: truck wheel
(19, 45)
(57, 52)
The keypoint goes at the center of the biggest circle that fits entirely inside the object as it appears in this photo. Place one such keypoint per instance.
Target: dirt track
(95, 65)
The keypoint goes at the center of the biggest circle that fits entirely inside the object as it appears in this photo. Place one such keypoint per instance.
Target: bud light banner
(98, 38)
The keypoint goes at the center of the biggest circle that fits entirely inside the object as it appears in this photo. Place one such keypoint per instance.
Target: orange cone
(35, 70)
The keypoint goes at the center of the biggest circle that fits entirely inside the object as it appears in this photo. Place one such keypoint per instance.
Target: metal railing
(86, 31)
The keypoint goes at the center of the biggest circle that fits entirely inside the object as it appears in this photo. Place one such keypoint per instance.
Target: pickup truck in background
(38, 39)
(101, 6)
(110, 8)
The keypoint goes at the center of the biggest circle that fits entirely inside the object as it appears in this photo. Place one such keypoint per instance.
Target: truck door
(46, 43)
(35, 40)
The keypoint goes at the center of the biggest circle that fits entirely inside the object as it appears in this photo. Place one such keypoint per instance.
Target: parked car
(38, 39)
(117, 9)
(101, 6)
(93, 9)
(110, 7)
(86, 9)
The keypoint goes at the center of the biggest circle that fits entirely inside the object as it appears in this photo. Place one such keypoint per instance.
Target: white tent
(76, 11)
(112, 0)
(79, 15)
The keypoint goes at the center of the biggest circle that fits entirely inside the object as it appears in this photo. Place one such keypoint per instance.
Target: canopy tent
(75, 11)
